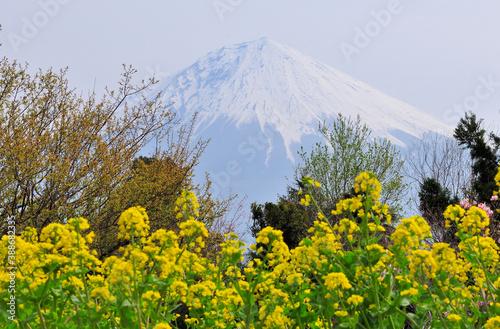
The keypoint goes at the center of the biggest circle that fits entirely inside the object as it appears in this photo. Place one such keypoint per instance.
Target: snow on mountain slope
(277, 87)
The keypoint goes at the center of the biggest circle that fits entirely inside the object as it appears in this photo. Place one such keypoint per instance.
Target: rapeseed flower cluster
(187, 205)
(367, 183)
(133, 222)
(339, 276)
(411, 233)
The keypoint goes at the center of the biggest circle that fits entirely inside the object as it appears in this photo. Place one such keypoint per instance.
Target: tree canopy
(348, 150)
(64, 156)
(434, 199)
(484, 151)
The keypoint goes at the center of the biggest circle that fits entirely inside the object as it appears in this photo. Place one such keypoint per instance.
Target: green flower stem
(298, 318)
(248, 302)
(59, 315)
(363, 315)
(344, 307)
(83, 301)
(54, 300)
(438, 312)
(318, 207)
(219, 270)
(392, 322)
(137, 294)
(434, 303)
(39, 311)
(377, 299)
(157, 308)
(488, 283)
(414, 324)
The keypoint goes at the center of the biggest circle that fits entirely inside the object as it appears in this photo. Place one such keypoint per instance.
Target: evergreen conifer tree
(484, 153)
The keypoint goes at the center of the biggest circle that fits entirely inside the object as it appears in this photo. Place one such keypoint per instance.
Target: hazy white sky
(440, 56)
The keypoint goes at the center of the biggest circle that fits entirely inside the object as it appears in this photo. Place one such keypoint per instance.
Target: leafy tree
(433, 202)
(155, 183)
(284, 215)
(484, 153)
(484, 150)
(348, 151)
(63, 156)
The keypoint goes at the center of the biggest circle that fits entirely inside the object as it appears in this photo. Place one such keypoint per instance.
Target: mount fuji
(260, 101)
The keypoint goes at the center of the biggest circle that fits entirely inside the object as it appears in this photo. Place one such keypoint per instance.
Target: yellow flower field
(338, 277)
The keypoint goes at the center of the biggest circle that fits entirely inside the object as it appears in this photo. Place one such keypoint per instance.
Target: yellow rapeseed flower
(493, 323)
(454, 318)
(355, 300)
(341, 314)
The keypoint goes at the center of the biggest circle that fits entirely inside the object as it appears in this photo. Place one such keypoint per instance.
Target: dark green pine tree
(285, 216)
(484, 154)
(433, 202)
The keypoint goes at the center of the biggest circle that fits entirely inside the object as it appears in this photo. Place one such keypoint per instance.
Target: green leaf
(31, 316)
(126, 303)
(51, 268)
(473, 319)
(349, 258)
(303, 310)
(57, 291)
(370, 258)
(405, 301)
(41, 289)
(162, 283)
(383, 309)
(307, 242)
(76, 300)
(420, 321)
(364, 260)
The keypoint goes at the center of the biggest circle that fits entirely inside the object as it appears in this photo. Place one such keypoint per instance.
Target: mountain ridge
(259, 102)
(274, 85)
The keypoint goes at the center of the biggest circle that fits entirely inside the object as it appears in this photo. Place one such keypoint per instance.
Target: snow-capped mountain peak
(277, 87)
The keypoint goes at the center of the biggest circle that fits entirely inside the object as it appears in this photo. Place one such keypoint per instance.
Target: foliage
(63, 156)
(433, 202)
(484, 153)
(155, 183)
(350, 150)
(319, 284)
(286, 216)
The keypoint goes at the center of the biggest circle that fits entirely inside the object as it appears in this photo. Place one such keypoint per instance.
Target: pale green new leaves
(347, 151)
